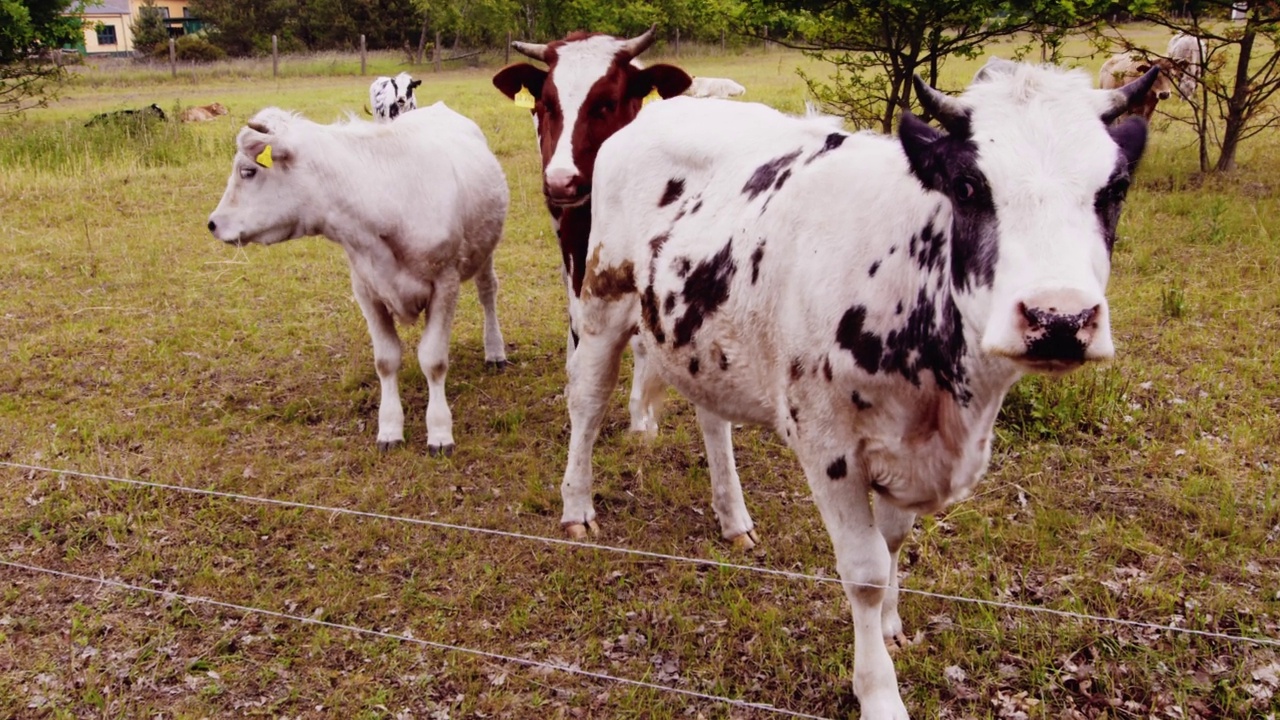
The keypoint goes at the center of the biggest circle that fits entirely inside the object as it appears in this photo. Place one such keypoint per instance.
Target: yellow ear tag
(524, 98)
(653, 95)
(264, 157)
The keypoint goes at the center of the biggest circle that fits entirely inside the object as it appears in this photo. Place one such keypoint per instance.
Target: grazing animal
(1123, 68)
(418, 206)
(714, 87)
(392, 97)
(147, 114)
(592, 86)
(203, 112)
(1187, 53)
(871, 299)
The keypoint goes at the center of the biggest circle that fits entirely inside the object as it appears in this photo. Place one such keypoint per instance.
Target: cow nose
(1163, 95)
(213, 226)
(1058, 334)
(561, 184)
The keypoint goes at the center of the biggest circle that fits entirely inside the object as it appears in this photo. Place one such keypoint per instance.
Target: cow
(592, 86)
(1123, 68)
(147, 114)
(203, 112)
(1187, 53)
(392, 97)
(714, 87)
(418, 206)
(871, 299)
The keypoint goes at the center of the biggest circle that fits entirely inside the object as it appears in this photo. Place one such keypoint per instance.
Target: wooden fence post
(275, 56)
(723, 46)
(766, 38)
(363, 54)
(677, 42)
(173, 58)
(435, 52)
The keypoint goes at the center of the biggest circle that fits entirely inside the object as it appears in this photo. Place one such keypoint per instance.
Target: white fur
(769, 353)
(703, 87)
(579, 65)
(418, 205)
(1190, 52)
(386, 93)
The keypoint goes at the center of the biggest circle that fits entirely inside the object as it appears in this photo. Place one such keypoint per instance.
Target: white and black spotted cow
(392, 97)
(872, 299)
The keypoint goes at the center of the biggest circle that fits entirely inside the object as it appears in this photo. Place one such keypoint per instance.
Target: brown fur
(203, 112)
(1123, 68)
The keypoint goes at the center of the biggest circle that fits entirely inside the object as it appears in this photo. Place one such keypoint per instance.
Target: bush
(190, 48)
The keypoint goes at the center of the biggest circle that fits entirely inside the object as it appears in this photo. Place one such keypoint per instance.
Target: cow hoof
(746, 541)
(437, 450)
(579, 531)
(495, 365)
(389, 445)
(897, 641)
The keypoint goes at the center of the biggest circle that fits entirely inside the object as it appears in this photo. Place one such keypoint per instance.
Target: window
(106, 34)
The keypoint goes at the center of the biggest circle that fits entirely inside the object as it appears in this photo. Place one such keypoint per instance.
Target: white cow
(1187, 53)
(418, 206)
(714, 87)
(392, 97)
(872, 299)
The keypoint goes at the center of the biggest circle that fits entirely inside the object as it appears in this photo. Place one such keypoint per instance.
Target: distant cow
(1187, 54)
(146, 114)
(714, 87)
(203, 112)
(1123, 68)
(392, 97)
(871, 299)
(592, 86)
(418, 206)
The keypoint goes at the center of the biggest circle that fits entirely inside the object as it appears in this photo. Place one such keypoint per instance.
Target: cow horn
(639, 43)
(536, 51)
(995, 66)
(258, 127)
(1123, 97)
(953, 116)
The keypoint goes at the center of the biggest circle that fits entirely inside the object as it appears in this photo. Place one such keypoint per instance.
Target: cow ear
(1143, 68)
(414, 83)
(259, 143)
(668, 80)
(919, 140)
(1131, 136)
(511, 78)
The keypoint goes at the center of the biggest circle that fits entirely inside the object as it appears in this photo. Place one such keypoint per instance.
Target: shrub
(190, 48)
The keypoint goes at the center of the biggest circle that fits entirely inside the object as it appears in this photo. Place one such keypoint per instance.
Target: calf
(871, 299)
(418, 206)
(1123, 68)
(714, 87)
(203, 112)
(141, 115)
(392, 97)
(592, 87)
(1187, 53)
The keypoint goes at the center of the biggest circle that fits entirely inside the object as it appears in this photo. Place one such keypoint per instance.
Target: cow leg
(726, 489)
(387, 352)
(862, 559)
(894, 524)
(593, 373)
(574, 308)
(646, 392)
(495, 350)
(433, 356)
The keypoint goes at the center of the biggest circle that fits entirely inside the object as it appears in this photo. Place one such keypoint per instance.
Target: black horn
(1123, 98)
(950, 113)
(639, 43)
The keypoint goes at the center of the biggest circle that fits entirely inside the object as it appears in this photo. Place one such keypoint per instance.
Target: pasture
(136, 346)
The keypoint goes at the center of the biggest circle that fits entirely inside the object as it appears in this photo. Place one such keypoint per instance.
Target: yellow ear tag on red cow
(524, 98)
(653, 95)
(264, 157)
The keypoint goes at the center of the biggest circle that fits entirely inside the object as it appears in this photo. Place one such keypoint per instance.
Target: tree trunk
(1237, 106)
(422, 41)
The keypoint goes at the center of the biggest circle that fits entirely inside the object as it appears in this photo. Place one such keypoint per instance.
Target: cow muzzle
(1053, 332)
(564, 188)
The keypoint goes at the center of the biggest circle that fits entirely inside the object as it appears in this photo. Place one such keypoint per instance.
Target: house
(108, 23)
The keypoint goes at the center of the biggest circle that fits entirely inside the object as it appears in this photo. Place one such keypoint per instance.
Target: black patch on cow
(795, 413)
(694, 365)
(865, 346)
(858, 401)
(722, 359)
(573, 335)
(756, 256)
(681, 266)
(675, 188)
(838, 469)
(1130, 136)
(1057, 336)
(833, 141)
(898, 311)
(874, 267)
(767, 174)
(826, 369)
(696, 207)
(649, 313)
(931, 339)
(782, 179)
(655, 247)
(705, 290)
(669, 305)
(797, 368)
(928, 247)
(893, 249)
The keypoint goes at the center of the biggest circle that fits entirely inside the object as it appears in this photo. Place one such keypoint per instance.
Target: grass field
(137, 346)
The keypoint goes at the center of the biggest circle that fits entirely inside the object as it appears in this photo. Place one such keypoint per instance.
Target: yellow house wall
(124, 38)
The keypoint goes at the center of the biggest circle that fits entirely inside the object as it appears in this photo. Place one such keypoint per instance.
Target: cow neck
(574, 230)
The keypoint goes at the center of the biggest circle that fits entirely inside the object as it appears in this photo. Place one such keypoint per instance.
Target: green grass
(136, 345)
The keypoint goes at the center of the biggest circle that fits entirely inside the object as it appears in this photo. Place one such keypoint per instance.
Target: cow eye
(603, 108)
(248, 172)
(964, 189)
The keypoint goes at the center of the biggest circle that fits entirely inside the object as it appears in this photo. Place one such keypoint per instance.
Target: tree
(1234, 98)
(148, 28)
(31, 33)
(877, 45)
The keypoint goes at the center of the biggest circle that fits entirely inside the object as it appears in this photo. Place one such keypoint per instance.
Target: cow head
(256, 206)
(590, 90)
(1162, 88)
(392, 97)
(1035, 179)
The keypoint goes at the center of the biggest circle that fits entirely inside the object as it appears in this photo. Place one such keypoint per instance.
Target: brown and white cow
(203, 112)
(1123, 68)
(591, 88)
